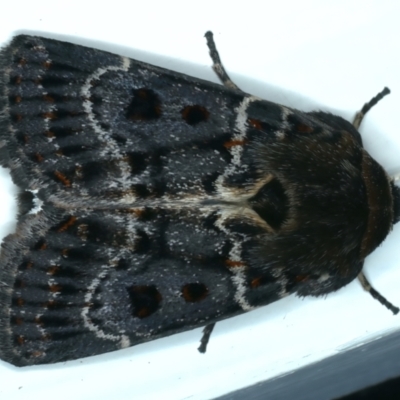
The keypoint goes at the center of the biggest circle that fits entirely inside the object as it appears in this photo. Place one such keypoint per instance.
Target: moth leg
(367, 106)
(217, 64)
(206, 337)
(375, 294)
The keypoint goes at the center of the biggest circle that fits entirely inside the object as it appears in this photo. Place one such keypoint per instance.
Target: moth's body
(167, 202)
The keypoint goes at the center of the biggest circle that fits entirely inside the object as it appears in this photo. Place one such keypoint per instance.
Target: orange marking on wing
(256, 282)
(55, 288)
(20, 302)
(302, 278)
(48, 98)
(20, 340)
(71, 221)
(235, 264)
(303, 128)
(53, 270)
(61, 177)
(255, 123)
(49, 115)
(233, 143)
(39, 157)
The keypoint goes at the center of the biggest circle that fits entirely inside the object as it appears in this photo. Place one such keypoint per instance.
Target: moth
(152, 202)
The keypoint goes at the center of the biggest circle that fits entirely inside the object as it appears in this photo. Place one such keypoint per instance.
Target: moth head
(396, 201)
(383, 199)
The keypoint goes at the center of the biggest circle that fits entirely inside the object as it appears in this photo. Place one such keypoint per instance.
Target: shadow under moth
(152, 202)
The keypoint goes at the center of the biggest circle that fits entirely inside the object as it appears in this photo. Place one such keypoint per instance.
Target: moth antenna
(375, 294)
(217, 64)
(206, 337)
(367, 106)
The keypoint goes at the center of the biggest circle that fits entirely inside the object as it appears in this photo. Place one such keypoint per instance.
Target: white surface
(337, 53)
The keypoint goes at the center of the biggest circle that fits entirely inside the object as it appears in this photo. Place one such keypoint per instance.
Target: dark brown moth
(152, 202)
